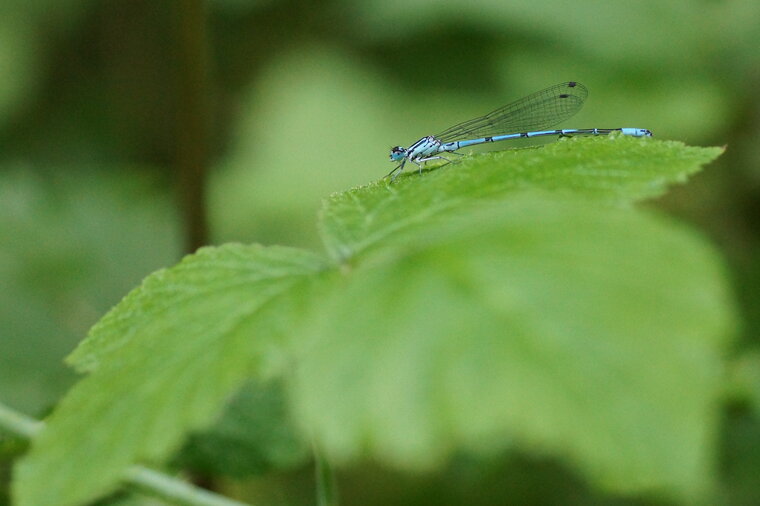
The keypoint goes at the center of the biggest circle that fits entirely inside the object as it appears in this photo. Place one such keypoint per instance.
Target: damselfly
(528, 117)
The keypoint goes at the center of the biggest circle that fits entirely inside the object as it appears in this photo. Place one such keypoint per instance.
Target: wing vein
(539, 111)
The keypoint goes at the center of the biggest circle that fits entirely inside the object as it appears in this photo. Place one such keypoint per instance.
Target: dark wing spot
(564, 95)
(572, 84)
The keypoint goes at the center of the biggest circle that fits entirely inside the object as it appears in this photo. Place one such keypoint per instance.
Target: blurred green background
(133, 132)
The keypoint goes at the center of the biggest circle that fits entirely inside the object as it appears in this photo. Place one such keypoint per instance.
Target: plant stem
(18, 424)
(140, 478)
(326, 488)
(173, 490)
(192, 118)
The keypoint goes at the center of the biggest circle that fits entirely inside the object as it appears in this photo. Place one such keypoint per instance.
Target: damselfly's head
(397, 153)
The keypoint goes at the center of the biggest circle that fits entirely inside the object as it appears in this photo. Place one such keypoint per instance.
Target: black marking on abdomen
(524, 134)
(488, 139)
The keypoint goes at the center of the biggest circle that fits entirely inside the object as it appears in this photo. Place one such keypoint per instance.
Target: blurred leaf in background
(71, 248)
(254, 436)
(299, 140)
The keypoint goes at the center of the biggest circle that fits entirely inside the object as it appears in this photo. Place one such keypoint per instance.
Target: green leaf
(614, 169)
(547, 325)
(165, 359)
(255, 435)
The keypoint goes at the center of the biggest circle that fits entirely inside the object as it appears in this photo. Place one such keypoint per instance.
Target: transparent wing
(538, 111)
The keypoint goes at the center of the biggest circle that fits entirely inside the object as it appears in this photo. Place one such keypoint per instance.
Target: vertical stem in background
(192, 119)
(327, 493)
